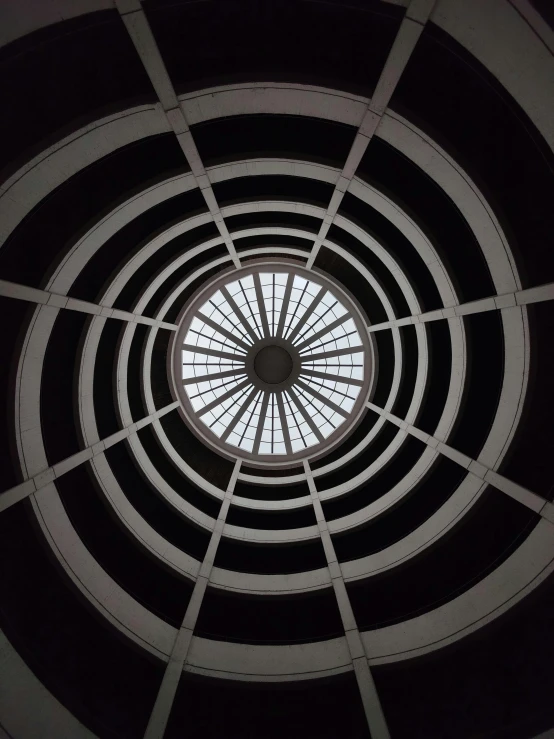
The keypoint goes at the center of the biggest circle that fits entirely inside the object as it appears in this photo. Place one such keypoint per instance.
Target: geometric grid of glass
(310, 324)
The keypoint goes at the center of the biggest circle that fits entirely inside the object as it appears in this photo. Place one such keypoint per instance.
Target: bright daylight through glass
(297, 414)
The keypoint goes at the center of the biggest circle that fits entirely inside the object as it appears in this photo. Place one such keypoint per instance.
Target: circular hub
(273, 364)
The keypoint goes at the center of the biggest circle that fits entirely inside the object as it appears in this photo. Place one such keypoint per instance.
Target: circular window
(272, 363)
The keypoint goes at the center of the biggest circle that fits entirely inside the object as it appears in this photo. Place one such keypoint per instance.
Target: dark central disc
(273, 364)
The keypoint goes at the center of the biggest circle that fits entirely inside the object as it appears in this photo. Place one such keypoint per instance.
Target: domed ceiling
(277, 284)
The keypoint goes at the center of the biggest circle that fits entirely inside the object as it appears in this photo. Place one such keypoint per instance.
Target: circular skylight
(273, 362)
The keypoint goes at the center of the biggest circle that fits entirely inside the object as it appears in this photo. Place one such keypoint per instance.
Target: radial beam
(214, 376)
(323, 399)
(261, 422)
(240, 315)
(366, 685)
(524, 496)
(324, 331)
(239, 414)
(332, 353)
(305, 415)
(538, 294)
(261, 305)
(307, 313)
(222, 398)
(284, 424)
(139, 30)
(332, 378)
(417, 15)
(212, 352)
(44, 297)
(223, 331)
(44, 478)
(179, 654)
(285, 305)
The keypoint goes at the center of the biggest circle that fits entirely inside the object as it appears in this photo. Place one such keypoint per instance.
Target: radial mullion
(284, 424)
(309, 310)
(212, 352)
(325, 330)
(332, 353)
(241, 411)
(223, 331)
(222, 398)
(323, 399)
(305, 414)
(261, 305)
(214, 376)
(240, 315)
(285, 306)
(318, 320)
(332, 378)
(261, 422)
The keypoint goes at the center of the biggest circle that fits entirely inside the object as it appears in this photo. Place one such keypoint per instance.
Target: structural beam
(524, 496)
(44, 297)
(139, 30)
(417, 15)
(44, 478)
(538, 294)
(372, 705)
(174, 668)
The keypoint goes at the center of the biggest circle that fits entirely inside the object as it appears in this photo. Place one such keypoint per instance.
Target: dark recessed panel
(486, 536)
(259, 519)
(201, 234)
(276, 240)
(273, 187)
(375, 267)
(16, 315)
(59, 220)
(378, 484)
(397, 245)
(105, 408)
(265, 559)
(50, 70)
(317, 43)
(235, 138)
(434, 489)
(269, 472)
(153, 508)
(195, 452)
(135, 373)
(386, 360)
(365, 424)
(118, 551)
(440, 90)
(496, 683)
(411, 359)
(159, 381)
(213, 709)
(103, 266)
(270, 492)
(274, 619)
(483, 382)
(350, 277)
(174, 477)
(58, 390)
(434, 212)
(280, 219)
(529, 458)
(101, 677)
(439, 370)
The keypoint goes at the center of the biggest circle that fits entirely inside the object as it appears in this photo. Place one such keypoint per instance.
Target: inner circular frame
(179, 392)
